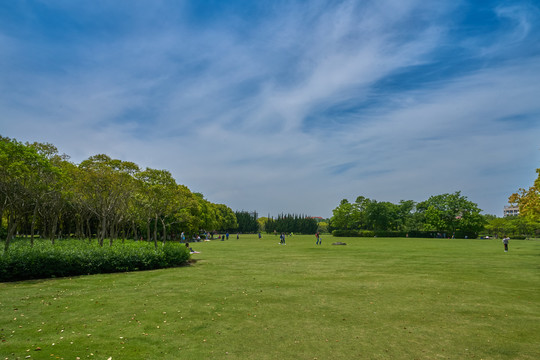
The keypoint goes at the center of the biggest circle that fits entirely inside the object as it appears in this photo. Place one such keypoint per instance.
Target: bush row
(73, 257)
(412, 234)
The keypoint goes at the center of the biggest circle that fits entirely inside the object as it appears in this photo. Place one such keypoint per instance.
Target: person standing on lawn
(505, 243)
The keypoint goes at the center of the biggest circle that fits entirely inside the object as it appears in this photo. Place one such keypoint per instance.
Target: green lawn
(374, 298)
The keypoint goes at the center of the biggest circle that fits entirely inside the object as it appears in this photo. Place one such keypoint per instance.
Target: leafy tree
(528, 200)
(207, 217)
(292, 224)
(500, 226)
(187, 212)
(21, 170)
(51, 190)
(262, 222)
(157, 197)
(226, 218)
(106, 186)
(342, 216)
(247, 221)
(370, 214)
(322, 227)
(40, 189)
(448, 213)
(381, 215)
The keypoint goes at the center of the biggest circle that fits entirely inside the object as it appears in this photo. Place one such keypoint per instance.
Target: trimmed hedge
(412, 234)
(74, 257)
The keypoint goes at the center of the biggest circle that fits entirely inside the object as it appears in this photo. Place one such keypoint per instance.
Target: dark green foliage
(444, 215)
(513, 226)
(247, 222)
(411, 234)
(348, 233)
(41, 192)
(74, 257)
(289, 223)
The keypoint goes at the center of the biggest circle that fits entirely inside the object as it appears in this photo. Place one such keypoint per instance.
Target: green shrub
(345, 233)
(73, 257)
(412, 234)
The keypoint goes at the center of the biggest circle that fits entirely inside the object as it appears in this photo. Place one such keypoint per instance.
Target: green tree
(450, 213)
(381, 216)
(207, 217)
(21, 171)
(262, 223)
(106, 186)
(50, 191)
(342, 216)
(247, 221)
(157, 198)
(226, 218)
(528, 201)
(322, 227)
(103, 196)
(499, 226)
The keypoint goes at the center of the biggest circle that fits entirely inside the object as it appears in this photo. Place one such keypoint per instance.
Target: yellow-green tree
(528, 201)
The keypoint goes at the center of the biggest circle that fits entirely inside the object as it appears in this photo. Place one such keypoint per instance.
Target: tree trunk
(54, 226)
(33, 224)
(135, 235)
(164, 237)
(79, 228)
(88, 229)
(12, 226)
(103, 230)
(112, 234)
(155, 231)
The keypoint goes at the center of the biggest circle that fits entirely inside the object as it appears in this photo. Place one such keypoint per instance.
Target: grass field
(374, 298)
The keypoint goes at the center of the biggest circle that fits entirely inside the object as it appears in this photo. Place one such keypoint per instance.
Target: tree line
(291, 223)
(41, 191)
(441, 215)
(247, 221)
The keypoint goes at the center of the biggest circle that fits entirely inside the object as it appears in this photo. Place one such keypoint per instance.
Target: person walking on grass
(505, 243)
(318, 237)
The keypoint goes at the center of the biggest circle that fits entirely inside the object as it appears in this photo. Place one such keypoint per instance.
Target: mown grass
(255, 299)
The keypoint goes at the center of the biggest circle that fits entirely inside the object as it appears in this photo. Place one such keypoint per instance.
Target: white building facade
(510, 211)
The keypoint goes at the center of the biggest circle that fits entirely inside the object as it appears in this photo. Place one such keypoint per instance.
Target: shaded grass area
(255, 299)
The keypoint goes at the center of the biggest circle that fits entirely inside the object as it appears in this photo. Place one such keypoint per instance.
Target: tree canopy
(528, 200)
(101, 197)
(446, 214)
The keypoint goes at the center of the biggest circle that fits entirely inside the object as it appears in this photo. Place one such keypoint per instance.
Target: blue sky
(285, 106)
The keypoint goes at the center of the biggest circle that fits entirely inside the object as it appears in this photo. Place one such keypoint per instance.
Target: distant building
(510, 211)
